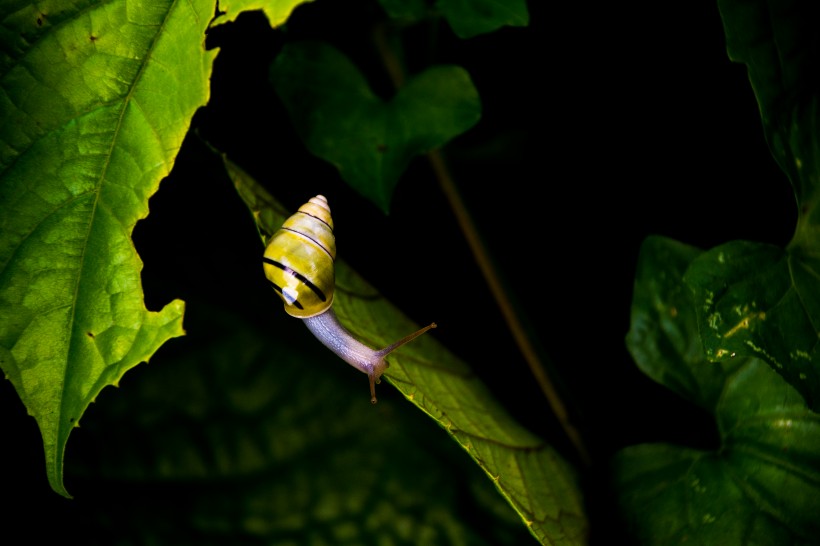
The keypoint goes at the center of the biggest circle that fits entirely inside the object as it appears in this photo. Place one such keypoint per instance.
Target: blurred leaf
(535, 480)
(96, 99)
(754, 299)
(254, 446)
(408, 11)
(369, 140)
(763, 485)
(276, 11)
(469, 18)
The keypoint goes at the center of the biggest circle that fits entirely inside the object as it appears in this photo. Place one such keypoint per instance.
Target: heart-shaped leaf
(528, 472)
(470, 18)
(467, 18)
(370, 141)
(406, 11)
(763, 483)
(96, 101)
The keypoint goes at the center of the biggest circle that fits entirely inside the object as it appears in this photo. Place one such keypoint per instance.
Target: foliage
(370, 142)
(733, 329)
(86, 140)
(763, 481)
(244, 431)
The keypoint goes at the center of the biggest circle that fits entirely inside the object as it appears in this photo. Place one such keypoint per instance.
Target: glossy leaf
(754, 299)
(758, 300)
(470, 18)
(763, 485)
(370, 141)
(96, 99)
(535, 480)
(264, 441)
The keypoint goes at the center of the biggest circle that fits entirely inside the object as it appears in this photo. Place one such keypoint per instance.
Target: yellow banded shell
(299, 258)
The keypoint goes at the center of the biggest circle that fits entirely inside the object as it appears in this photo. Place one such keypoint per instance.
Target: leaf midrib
(126, 101)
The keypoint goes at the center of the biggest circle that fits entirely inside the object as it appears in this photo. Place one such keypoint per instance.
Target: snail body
(299, 263)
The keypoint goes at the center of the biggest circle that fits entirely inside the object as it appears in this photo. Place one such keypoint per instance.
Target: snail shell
(298, 261)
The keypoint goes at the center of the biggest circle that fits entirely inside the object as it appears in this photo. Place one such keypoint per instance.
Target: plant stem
(394, 68)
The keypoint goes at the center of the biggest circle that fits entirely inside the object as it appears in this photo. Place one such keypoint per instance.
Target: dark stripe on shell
(311, 239)
(321, 220)
(315, 289)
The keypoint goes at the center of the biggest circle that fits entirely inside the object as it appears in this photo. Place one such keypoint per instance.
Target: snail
(298, 262)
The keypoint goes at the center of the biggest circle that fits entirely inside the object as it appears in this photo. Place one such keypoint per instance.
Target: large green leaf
(263, 441)
(369, 140)
(754, 299)
(96, 99)
(528, 472)
(762, 486)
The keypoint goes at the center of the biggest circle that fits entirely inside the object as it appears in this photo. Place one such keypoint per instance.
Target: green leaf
(96, 99)
(369, 140)
(763, 483)
(264, 441)
(469, 18)
(757, 300)
(777, 41)
(528, 472)
(753, 299)
(276, 11)
(663, 336)
(407, 11)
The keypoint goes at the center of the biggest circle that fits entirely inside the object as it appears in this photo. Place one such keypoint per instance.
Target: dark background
(600, 126)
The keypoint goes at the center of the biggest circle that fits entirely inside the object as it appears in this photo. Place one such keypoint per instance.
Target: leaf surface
(763, 483)
(95, 100)
(529, 473)
(276, 11)
(754, 299)
(406, 11)
(265, 441)
(470, 18)
(758, 300)
(369, 140)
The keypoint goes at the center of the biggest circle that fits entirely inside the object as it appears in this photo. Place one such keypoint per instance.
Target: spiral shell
(298, 260)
